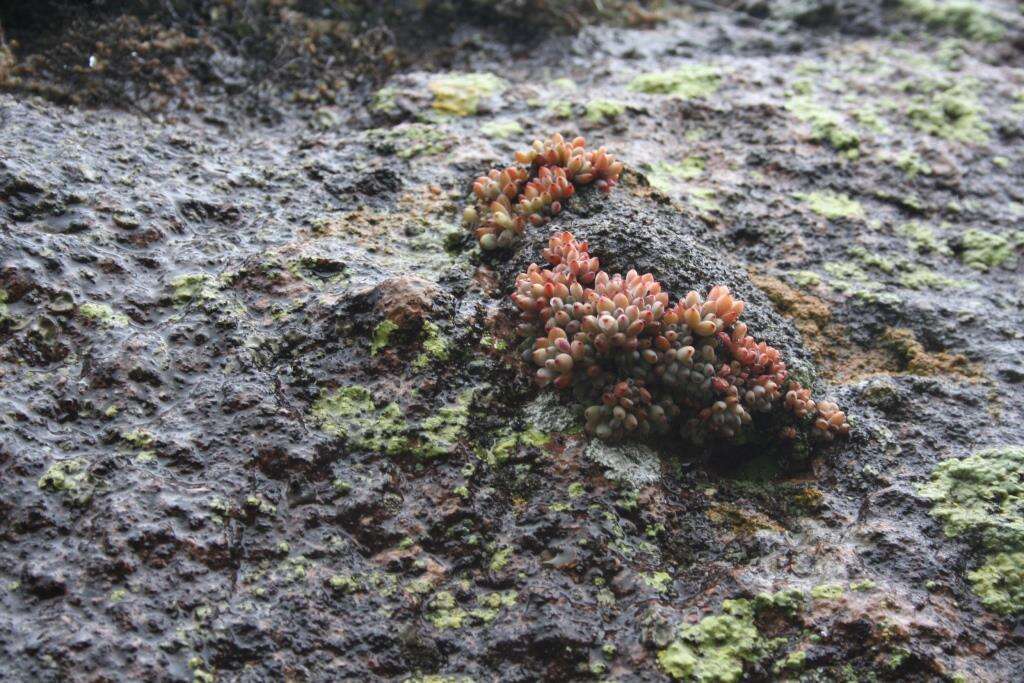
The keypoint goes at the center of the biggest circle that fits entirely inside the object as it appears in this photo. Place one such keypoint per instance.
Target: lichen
(827, 125)
(602, 111)
(661, 174)
(923, 238)
(948, 109)
(970, 19)
(985, 250)
(71, 479)
(981, 498)
(408, 140)
(460, 94)
(688, 82)
(381, 336)
(350, 412)
(501, 130)
(441, 431)
(104, 314)
(435, 346)
(832, 205)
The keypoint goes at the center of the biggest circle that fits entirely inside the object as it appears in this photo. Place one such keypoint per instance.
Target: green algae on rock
(688, 82)
(981, 498)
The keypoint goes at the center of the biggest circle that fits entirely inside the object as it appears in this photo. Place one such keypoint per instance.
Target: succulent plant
(549, 172)
(641, 363)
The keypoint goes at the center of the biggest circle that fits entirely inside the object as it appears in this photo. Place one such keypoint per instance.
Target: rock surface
(263, 410)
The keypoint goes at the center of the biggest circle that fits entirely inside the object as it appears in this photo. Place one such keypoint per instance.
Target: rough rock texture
(263, 414)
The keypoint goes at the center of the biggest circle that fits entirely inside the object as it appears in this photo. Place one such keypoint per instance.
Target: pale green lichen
(193, 286)
(460, 94)
(350, 412)
(966, 17)
(688, 82)
(981, 498)
(103, 314)
(805, 278)
(717, 647)
(827, 125)
(984, 250)
(408, 140)
(948, 109)
(827, 591)
(501, 130)
(435, 346)
(913, 165)
(71, 479)
(925, 278)
(560, 109)
(662, 174)
(923, 238)
(659, 581)
(440, 432)
(508, 442)
(832, 205)
(603, 111)
(500, 559)
(381, 336)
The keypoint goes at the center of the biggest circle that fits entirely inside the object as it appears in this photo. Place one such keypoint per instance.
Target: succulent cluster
(641, 363)
(549, 172)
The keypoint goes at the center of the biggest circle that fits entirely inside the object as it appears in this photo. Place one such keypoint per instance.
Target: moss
(501, 129)
(950, 110)
(922, 238)
(794, 661)
(460, 94)
(968, 18)
(984, 250)
(104, 314)
(381, 336)
(601, 111)
(435, 346)
(688, 82)
(827, 591)
(832, 205)
(981, 498)
(350, 412)
(827, 126)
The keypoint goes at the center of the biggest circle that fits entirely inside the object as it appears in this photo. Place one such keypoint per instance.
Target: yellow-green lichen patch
(913, 165)
(501, 130)
(381, 336)
(967, 17)
(688, 82)
(925, 278)
(103, 314)
(350, 412)
(717, 647)
(832, 205)
(923, 238)
(440, 432)
(444, 611)
(659, 581)
(827, 125)
(984, 250)
(948, 109)
(981, 498)
(507, 442)
(408, 140)
(602, 111)
(71, 479)
(435, 346)
(193, 286)
(560, 109)
(460, 94)
(827, 591)
(663, 174)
